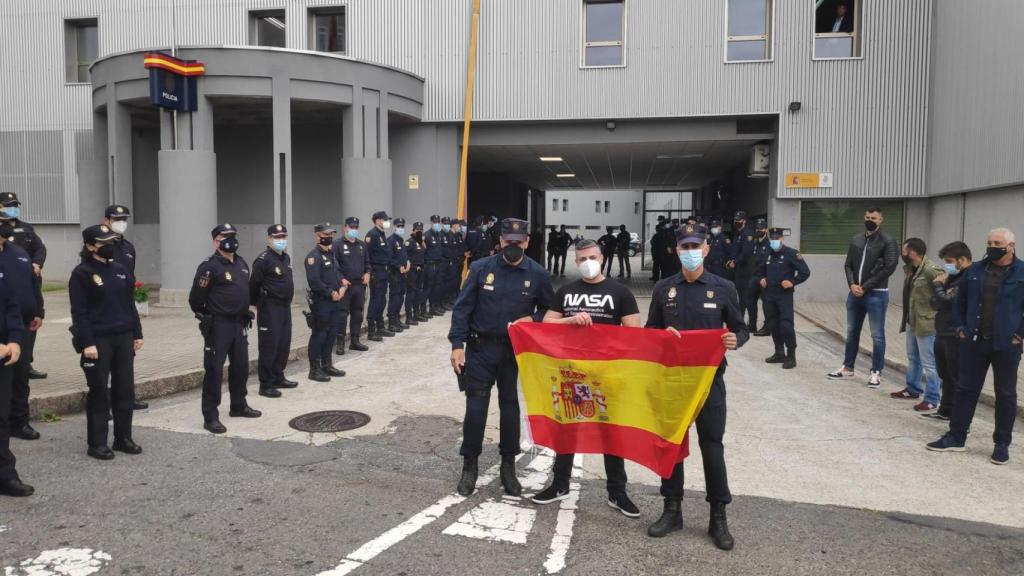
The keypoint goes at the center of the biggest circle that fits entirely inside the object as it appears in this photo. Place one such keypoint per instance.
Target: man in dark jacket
(657, 245)
(870, 260)
(622, 242)
(956, 258)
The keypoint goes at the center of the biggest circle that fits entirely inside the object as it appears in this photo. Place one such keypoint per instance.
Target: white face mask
(590, 269)
(119, 226)
(386, 224)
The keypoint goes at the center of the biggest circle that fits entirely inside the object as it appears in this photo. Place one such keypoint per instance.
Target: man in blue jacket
(989, 316)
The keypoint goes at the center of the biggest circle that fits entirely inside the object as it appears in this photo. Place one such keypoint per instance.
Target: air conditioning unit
(760, 161)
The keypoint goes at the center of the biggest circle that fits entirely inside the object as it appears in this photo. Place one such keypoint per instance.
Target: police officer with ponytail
(107, 332)
(326, 291)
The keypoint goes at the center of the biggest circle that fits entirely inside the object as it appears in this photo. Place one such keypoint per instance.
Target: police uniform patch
(671, 292)
(750, 238)
(711, 294)
(204, 280)
(310, 260)
(526, 283)
(489, 279)
(97, 280)
(227, 276)
(120, 210)
(277, 270)
(104, 229)
(367, 238)
(799, 256)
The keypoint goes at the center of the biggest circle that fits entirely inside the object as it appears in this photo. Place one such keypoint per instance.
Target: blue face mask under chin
(691, 259)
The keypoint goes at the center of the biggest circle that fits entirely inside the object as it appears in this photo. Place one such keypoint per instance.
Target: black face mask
(6, 230)
(512, 253)
(326, 240)
(871, 225)
(417, 235)
(906, 260)
(106, 251)
(229, 245)
(993, 254)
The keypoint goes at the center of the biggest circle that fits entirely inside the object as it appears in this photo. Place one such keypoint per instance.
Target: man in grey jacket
(870, 260)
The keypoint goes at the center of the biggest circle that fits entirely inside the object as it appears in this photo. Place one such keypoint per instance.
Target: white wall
(581, 210)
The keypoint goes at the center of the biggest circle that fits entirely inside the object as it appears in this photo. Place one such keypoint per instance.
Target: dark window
(607, 206)
(597, 206)
(636, 207)
(565, 205)
(328, 29)
(826, 226)
(81, 48)
(837, 29)
(604, 32)
(267, 28)
(554, 204)
(749, 30)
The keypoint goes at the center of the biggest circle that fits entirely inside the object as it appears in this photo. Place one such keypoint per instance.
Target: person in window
(841, 23)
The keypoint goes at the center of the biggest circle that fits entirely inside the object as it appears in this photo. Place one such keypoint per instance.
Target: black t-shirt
(606, 302)
(995, 275)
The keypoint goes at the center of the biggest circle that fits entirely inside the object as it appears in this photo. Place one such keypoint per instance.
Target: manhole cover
(330, 421)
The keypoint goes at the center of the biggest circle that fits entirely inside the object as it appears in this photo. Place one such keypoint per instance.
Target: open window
(604, 33)
(748, 32)
(837, 29)
(267, 28)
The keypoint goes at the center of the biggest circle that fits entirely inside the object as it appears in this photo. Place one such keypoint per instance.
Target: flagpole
(468, 116)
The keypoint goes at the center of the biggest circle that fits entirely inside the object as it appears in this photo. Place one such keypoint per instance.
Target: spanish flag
(630, 392)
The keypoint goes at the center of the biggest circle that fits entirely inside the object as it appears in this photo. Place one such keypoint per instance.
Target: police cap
(741, 215)
(716, 221)
(435, 219)
(352, 222)
(223, 230)
(514, 229)
(98, 233)
(417, 226)
(446, 220)
(691, 234)
(382, 215)
(399, 221)
(116, 212)
(324, 228)
(760, 224)
(776, 232)
(9, 199)
(277, 231)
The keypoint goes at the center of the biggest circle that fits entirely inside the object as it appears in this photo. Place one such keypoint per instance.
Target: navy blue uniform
(103, 315)
(435, 244)
(742, 256)
(785, 264)
(759, 254)
(124, 254)
(622, 242)
(478, 243)
(377, 248)
(220, 290)
(323, 275)
(448, 250)
(708, 303)
(354, 262)
(271, 288)
(494, 295)
(415, 279)
(718, 256)
(458, 259)
(26, 288)
(25, 237)
(397, 260)
(12, 329)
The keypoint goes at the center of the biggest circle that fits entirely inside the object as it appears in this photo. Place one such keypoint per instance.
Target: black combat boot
(467, 484)
(421, 313)
(778, 358)
(764, 331)
(410, 320)
(790, 362)
(371, 332)
(718, 528)
(316, 374)
(339, 344)
(670, 521)
(268, 390)
(382, 331)
(357, 345)
(508, 476)
(327, 367)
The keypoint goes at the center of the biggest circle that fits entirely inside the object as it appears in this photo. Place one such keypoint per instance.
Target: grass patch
(54, 287)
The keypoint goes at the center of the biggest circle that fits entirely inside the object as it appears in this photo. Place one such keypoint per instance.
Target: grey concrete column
(365, 186)
(94, 176)
(119, 153)
(383, 137)
(282, 128)
(188, 211)
(352, 126)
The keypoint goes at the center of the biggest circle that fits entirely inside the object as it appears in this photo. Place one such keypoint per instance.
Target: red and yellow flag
(631, 392)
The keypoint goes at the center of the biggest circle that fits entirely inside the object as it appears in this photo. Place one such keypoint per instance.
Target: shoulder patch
(799, 256)
(310, 260)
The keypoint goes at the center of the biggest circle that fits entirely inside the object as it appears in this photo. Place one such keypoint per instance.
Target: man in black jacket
(870, 260)
(956, 257)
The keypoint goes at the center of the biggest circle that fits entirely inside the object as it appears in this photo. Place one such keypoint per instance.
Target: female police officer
(107, 331)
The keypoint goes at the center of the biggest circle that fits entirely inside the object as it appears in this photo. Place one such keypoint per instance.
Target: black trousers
(753, 295)
(655, 265)
(624, 262)
(116, 365)
(614, 469)
(378, 293)
(396, 293)
(20, 382)
(778, 308)
(328, 318)
(456, 279)
(609, 260)
(558, 265)
(413, 290)
(487, 363)
(743, 278)
(947, 363)
(435, 273)
(274, 322)
(710, 431)
(7, 459)
(225, 341)
(975, 359)
(353, 303)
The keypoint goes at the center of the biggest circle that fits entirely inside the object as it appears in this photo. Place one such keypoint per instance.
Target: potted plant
(141, 294)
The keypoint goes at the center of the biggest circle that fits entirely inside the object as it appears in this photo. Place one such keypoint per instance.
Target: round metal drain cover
(329, 421)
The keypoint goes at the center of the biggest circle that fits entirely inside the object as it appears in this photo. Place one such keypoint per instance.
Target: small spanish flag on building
(630, 392)
(172, 64)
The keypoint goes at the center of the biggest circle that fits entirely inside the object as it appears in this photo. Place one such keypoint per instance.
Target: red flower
(138, 284)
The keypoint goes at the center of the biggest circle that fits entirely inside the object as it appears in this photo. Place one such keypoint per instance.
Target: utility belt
(475, 338)
(378, 267)
(269, 300)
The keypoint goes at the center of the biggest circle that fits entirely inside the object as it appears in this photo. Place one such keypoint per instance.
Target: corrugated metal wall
(865, 120)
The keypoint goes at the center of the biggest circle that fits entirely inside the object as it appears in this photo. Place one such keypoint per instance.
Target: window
(604, 33)
(607, 206)
(565, 204)
(826, 226)
(554, 204)
(267, 28)
(597, 206)
(749, 31)
(636, 207)
(81, 48)
(327, 29)
(837, 29)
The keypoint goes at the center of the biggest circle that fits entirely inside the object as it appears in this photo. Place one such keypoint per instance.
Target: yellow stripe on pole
(468, 117)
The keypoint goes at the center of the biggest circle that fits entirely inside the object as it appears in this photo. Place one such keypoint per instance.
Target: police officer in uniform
(220, 299)
(501, 289)
(326, 292)
(719, 249)
(779, 274)
(760, 254)
(271, 288)
(26, 289)
(741, 258)
(656, 249)
(669, 260)
(433, 255)
(377, 246)
(622, 242)
(398, 266)
(607, 244)
(415, 279)
(354, 262)
(478, 240)
(107, 332)
(458, 260)
(697, 300)
(448, 250)
(12, 332)
(24, 236)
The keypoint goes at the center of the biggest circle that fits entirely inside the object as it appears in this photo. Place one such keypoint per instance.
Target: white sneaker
(841, 374)
(875, 379)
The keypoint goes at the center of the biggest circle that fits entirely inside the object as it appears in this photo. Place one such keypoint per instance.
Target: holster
(205, 323)
(310, 319)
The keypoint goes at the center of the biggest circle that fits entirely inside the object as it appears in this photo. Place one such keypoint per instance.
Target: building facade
(319, 109)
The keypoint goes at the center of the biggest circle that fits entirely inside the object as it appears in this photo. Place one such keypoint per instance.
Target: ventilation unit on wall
(760, 161)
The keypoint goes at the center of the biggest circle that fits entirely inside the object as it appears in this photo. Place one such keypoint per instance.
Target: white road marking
(495, 521)
(566, 520)
(61, 562)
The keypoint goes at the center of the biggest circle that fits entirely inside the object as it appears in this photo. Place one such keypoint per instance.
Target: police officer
(354, 262)
(326, 291)
(377, 246)
(697, 300)
(459, 253)
(434, 243)
(741, 258)
(477, 240)
(26, 289)
(271, 288)
(415, 279)
(12, 332)
(759, 254)
(669, 260)
(398, 267)
(779, 274)
(448, 251)
(24, 236)
(607, 244)
(656, 249)
(115, 217)
(622, 242)
(220, 299)
(501, 289)
(719, 250)
(107, 332)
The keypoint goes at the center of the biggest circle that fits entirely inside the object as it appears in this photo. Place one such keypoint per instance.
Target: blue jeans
(873, 305)
(921, 360)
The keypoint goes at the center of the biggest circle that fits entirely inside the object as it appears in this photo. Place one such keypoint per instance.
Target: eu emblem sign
(172, 81)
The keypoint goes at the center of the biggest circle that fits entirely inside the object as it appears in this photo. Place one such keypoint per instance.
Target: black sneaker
(946, 444)
(623, 504)
(935, 416)
(549, 495)
(1001, 454)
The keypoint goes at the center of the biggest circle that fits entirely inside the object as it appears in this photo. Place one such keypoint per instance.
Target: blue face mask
(12, 211)
(950, 269)
(279, 244)
(435, 227)
(775, 244)
(447, 227)
(691, 259)
(400, 231)
(352, 233)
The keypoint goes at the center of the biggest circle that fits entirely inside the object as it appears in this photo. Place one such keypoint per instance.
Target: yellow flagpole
(468, 117)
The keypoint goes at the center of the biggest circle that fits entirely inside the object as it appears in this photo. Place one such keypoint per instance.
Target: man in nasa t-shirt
(594, 299)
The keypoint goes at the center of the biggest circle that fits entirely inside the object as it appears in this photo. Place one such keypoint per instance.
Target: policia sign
(172, 81)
